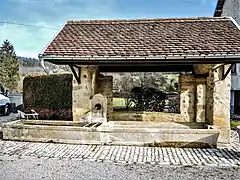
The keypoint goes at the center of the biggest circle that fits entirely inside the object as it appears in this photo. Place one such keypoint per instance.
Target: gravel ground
(11, 117)
(29, 168)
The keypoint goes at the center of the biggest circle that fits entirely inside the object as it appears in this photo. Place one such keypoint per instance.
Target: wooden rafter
(227, 72)
(222, 68)
(77, 75)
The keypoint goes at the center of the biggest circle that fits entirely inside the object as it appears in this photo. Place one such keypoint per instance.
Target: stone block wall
(149, 117)
(78, 108)
(215, 106)
(192, 97)
(205, 97)
(187, 96)
(218, 101)
(91, 83)
(83, 92)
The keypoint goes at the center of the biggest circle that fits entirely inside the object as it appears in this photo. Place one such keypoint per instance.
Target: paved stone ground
(235, 142)
(225, 156)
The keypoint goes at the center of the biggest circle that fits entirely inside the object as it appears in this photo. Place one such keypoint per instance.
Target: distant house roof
(144, 38)
(219, 8)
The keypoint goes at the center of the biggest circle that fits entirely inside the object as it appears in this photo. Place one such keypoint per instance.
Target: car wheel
(6, 110)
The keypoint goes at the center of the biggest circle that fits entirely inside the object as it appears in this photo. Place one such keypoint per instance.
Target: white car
(4, 105)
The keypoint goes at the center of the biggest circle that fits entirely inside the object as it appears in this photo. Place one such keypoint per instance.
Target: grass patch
(234, 124)
(119, 102)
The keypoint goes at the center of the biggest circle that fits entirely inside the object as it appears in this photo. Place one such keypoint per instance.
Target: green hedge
(50, 92)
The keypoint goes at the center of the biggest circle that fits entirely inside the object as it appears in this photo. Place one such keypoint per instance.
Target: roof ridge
(147, 20)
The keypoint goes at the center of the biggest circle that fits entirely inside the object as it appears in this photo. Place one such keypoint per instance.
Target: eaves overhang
(181, 59)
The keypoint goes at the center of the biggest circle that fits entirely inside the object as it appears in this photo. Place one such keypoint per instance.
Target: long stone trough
(113, 133)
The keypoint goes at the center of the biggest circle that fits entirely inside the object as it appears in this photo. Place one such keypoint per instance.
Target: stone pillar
(83, 92)
(187, 96)
(105, 87)
(218, 103)
(200, 99)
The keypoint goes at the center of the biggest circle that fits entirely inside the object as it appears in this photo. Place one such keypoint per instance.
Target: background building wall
(232, 8)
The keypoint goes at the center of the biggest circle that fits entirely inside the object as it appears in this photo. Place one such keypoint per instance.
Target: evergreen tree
(9, 67)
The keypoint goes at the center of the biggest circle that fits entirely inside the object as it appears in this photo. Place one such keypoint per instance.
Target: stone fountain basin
(113, 133)
(51, 131)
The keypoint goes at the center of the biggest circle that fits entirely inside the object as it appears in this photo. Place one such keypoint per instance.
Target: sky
(29, 41)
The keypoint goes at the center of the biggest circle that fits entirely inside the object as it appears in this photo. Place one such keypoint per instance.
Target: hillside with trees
(28, 62)
(29, 66)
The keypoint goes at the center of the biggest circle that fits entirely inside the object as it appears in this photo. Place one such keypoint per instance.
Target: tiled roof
(146, 37)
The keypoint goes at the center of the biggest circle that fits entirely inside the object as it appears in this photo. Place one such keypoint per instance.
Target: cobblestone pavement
(235, 141)
(225, 156)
